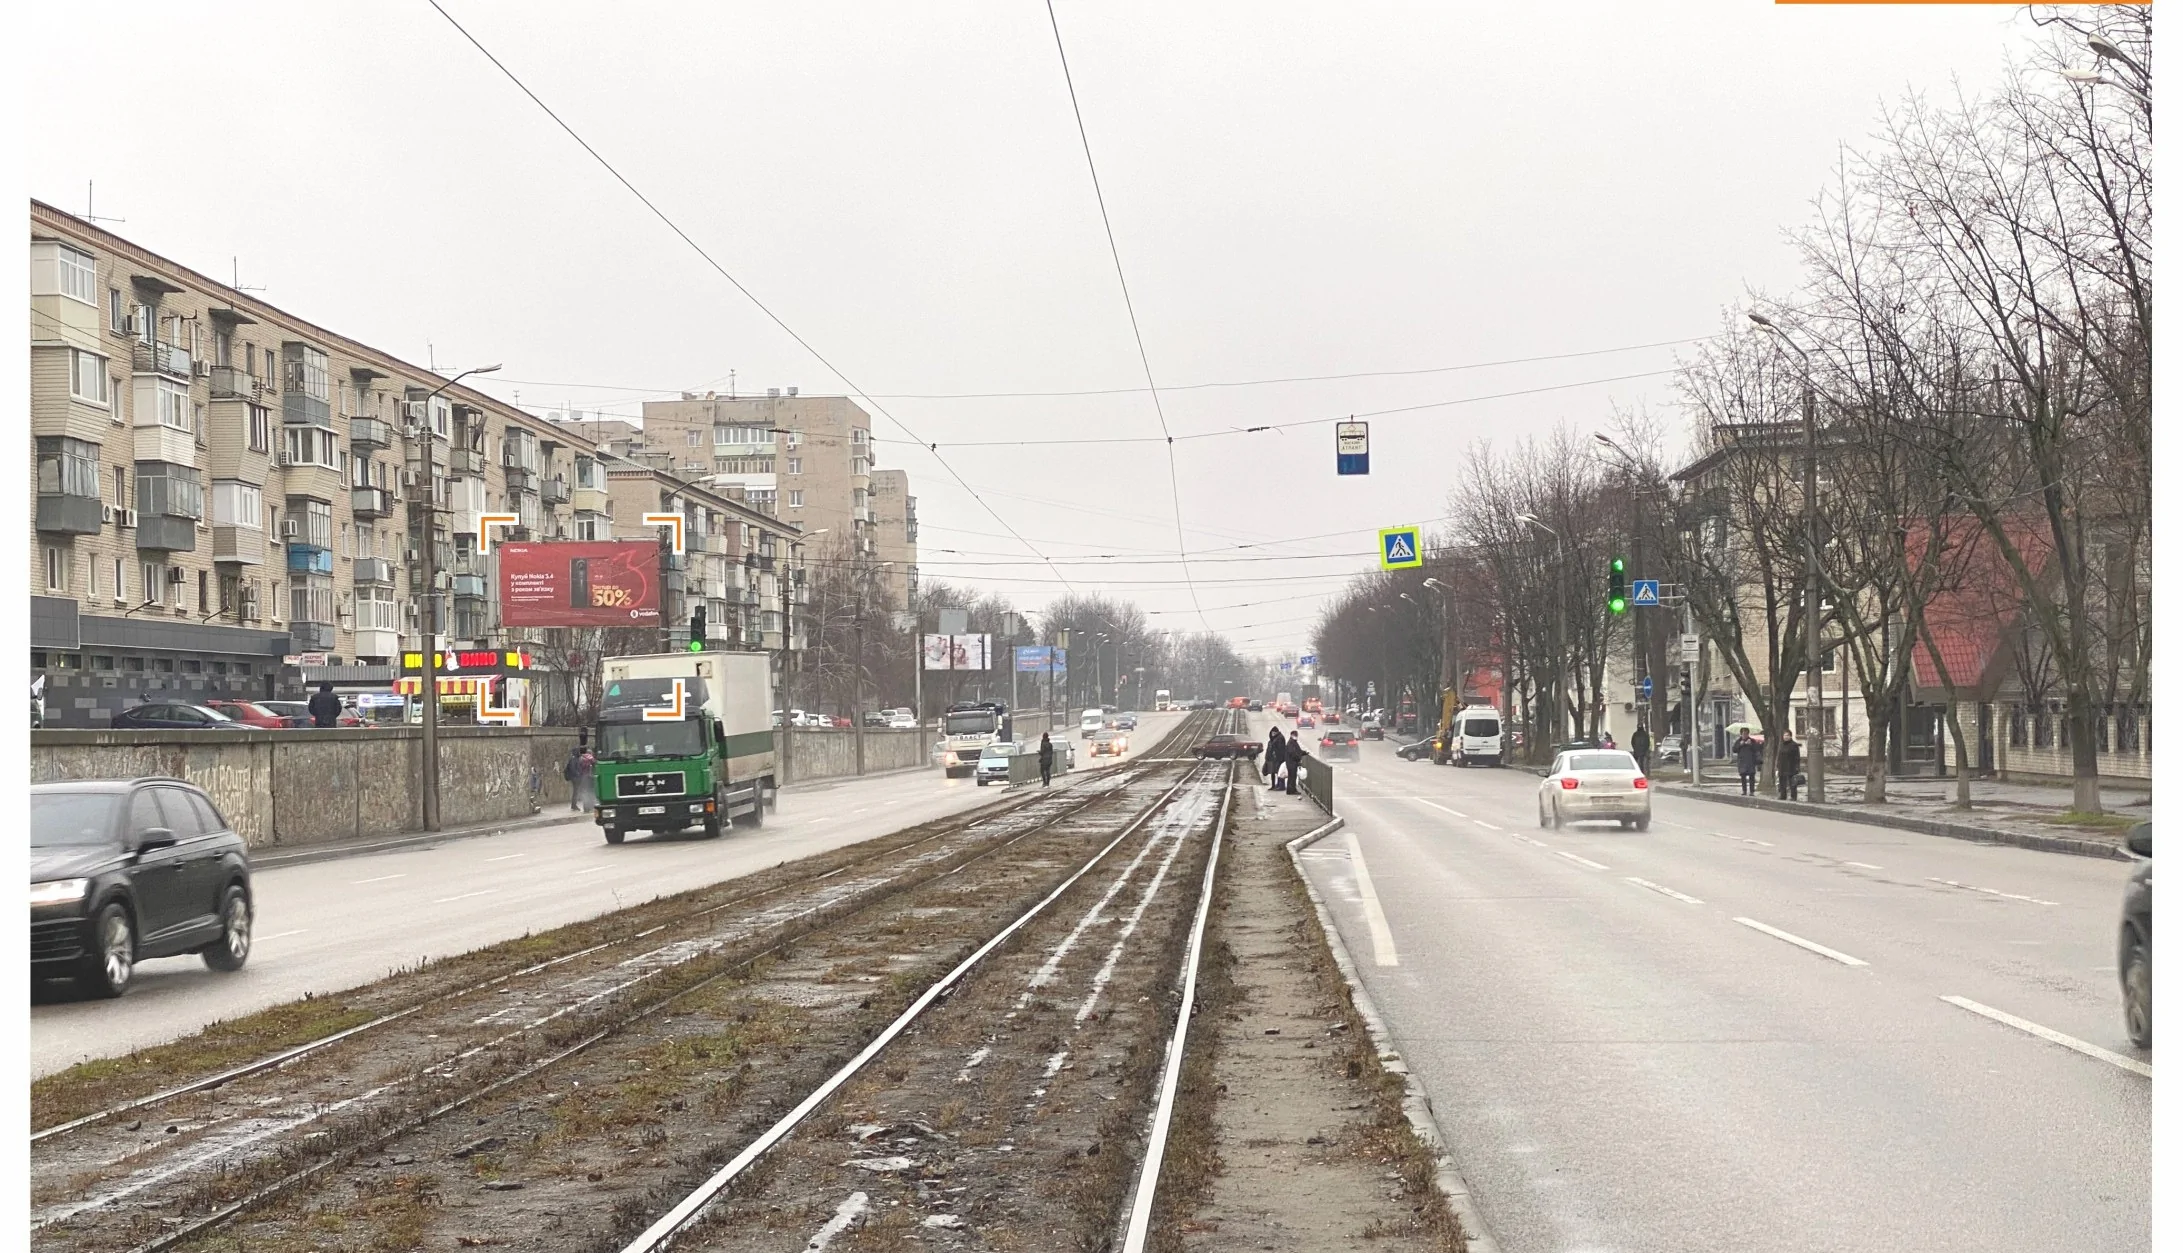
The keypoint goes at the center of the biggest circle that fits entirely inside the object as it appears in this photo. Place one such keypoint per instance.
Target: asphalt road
(1623, 1060)
(328, 926)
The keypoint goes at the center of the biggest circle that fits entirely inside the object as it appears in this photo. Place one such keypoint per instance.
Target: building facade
(234, 502)
(894, 531)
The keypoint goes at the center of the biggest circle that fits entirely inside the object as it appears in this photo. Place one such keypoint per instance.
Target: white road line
(2131, 1064)
(595, 869)
(466, 895)
(1487, 825)
(1383, 940)
(509, 857)
(280, 935)
(1442, 808)
(1801, 942)
(1664, 891)
(1579, 860)
(1861, 865)
(1990, 891)
(381, 879)
(1528, 840)
(1740, 839)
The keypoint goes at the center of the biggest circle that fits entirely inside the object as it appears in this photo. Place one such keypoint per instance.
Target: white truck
(965, 730)
(1474, 737)
(668, 762)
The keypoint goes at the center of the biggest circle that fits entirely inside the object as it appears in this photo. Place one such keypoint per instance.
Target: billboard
(579, 584)
(1042, 659)
(958, 652)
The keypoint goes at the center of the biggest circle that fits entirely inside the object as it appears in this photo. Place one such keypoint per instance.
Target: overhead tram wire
(1174, 481)
(747, 294)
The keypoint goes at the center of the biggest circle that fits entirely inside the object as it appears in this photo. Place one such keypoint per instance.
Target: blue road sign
(1644, 689)
(1308, 659)
(1400, 548)
(1645, 592)
(1352, 448)
(1286, 665)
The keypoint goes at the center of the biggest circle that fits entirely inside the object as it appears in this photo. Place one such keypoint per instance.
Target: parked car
(1224, 746)
(1416, 750)
(249, 713)
(298, 713)
(1338, 745)
(993, 762)
(1109, 744)
(173, 716)
(1670, 748)
(1592, 785)
(126, 869)
(901, 720)
(2134, 956)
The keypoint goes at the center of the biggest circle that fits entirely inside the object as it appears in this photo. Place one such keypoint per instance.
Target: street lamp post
(429, 621)
(1561, 633)
(1815, 701)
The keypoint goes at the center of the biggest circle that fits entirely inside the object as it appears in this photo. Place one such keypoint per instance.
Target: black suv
(2134, 950)
(125, 869)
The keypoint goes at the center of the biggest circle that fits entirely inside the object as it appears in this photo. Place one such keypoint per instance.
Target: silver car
(1595, 785)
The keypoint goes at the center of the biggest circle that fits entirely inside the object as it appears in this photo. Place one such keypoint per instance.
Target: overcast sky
(1295, 190)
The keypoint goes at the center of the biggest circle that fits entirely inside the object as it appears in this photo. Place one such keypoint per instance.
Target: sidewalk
(2027, 815)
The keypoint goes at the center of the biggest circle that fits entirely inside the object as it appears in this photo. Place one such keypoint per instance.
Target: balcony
(238, 545)
(520, 478)
(555, 491)
(311, 637)
(375, 570)
(230, 383)
(370, 433)
(309, 558)
(371, 502)
(166, 532)
(469, 587)
(466, 461)
(161, 359)
(61, 514)
(301, 408)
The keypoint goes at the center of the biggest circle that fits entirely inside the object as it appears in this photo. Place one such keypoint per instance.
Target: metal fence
(1315, 779)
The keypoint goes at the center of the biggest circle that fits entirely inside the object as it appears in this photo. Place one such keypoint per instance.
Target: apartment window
(56, 568)
(121, 583)
(860, 465)
(307, 372)
(311, 446)
(170, 404)
(67, 467)
(201, 592)
(155, 582)
(167, 490)
(261, 429)
(2016, 726)
(860, 435)
(310, 598)
(87, 379)
(691, 438)
(59, 270)
(795, 465)
(117, 312)
(443, 417)
(375, 609)
(146, 326)
(317, 519)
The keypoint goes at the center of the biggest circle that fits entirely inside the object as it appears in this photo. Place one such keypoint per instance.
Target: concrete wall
(289, 788)
(808, 755)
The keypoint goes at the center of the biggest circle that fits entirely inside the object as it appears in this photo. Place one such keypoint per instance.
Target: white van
(1093, 722)
(1476, 737)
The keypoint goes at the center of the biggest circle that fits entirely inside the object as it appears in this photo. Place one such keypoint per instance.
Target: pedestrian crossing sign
(1645, 592)
(1399, 549)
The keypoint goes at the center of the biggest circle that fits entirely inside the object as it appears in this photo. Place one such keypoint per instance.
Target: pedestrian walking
(1786, 764)
(1746, 753)
(325, 708)
(1641, 747)
(1295, 757)
(579, 771)
(1045, 760)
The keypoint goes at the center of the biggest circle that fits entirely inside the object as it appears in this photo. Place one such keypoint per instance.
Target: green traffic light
(1618, 605)
(1618, 565)
(698, 646)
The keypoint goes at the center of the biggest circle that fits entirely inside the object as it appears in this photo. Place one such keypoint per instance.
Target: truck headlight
(58, 891)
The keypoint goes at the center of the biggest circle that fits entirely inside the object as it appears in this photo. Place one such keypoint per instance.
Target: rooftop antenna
(236, 267)
(88, 215)
(731, 385)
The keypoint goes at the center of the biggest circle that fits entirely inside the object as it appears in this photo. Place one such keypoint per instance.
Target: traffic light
(1618, 586)
(697, 630)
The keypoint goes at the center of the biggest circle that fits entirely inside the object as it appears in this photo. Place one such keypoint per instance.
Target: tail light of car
(1638, 783)
(1568, 784)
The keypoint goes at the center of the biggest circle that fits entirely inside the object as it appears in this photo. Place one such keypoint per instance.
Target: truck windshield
(972, 722)
(637, 741)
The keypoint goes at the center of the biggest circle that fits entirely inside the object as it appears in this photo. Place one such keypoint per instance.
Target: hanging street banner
(1352, 448)
(1400, 548)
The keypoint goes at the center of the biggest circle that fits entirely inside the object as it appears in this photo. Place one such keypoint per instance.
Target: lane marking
(1442, 808)
(381, 879)
(1487, 825)
(2049, 1034)
(280, 935)
(1801, 942)
(466, 895)
(1528, 840)
(595, 870)
(1861, 865)
(1990, 891)
(1383, 940)
(1664, 891)
(1740, 839)
(1582, 861)
(509, 857)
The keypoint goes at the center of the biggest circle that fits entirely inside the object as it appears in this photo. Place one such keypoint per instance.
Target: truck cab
(967, 730)
(669, 762)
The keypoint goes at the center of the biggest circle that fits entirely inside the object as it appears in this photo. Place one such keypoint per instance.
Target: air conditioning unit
(175, 575)
(290, 528)
(204, 369)
(415, 410)
(128, 517)
(106, 513)
(411, 479)
(128, 325)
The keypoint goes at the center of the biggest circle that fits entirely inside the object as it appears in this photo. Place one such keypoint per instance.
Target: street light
(429, 677)
(1815, 701)
(2105, 47)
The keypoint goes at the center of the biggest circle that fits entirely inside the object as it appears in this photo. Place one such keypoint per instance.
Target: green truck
(703, 758)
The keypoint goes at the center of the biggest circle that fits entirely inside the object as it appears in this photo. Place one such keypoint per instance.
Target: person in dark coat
(1277, 755)
(1746, 753)
(1045, 760)
(325, 707)
(1641, 748)
(1786, 764)
(1296, 759)
(577, 770)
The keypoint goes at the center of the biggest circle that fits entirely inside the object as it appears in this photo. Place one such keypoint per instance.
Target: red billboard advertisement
(579, 584)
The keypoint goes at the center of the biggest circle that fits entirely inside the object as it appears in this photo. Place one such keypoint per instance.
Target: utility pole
(429, 620)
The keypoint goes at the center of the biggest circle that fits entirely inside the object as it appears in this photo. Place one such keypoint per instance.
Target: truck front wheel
(613, 835)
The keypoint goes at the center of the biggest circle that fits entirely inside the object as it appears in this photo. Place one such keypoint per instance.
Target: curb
(276, 858)
(1923, 826)
(1416, 1106)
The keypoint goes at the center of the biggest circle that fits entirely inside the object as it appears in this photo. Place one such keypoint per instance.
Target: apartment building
(894, 532)
(232, 501)
(806, 460)
(743, 566)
